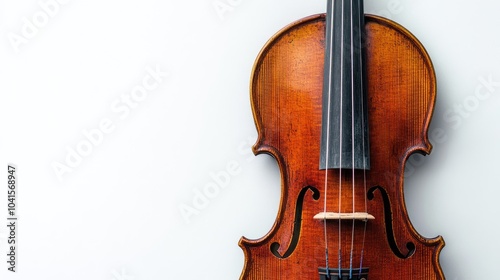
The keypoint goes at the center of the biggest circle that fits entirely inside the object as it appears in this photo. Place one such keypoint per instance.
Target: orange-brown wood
(286, 95)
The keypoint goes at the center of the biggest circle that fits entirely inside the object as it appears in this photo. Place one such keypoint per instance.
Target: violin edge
(261, 146)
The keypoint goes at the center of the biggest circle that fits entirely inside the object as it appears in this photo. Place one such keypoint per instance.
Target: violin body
(286, 98)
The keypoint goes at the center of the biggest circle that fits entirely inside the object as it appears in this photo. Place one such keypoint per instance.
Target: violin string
(340, 133)
(352, 136)
(361, 28)
(330, 8)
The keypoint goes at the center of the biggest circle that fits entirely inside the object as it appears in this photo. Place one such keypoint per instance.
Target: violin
(341, 100)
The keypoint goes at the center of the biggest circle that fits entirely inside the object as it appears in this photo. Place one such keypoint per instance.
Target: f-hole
(275, 246)
(410, 246)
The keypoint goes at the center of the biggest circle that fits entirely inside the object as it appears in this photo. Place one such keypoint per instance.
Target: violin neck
(344, 138)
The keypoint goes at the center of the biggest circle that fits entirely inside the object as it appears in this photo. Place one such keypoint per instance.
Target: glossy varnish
(286, 95)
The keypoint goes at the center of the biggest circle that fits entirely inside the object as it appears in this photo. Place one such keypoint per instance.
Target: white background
(114, 214)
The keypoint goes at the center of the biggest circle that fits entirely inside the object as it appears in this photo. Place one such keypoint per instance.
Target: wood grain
(286, 95)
